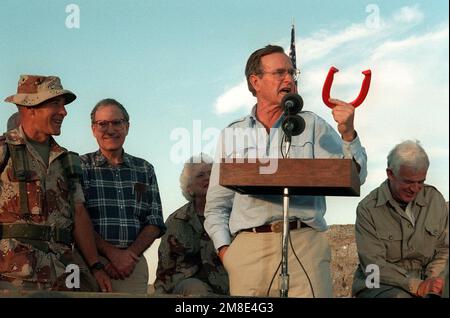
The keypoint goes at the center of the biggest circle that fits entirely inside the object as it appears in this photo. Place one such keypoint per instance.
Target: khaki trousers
(252, 261)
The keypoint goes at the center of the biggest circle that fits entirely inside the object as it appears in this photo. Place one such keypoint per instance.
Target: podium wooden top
(332, 177)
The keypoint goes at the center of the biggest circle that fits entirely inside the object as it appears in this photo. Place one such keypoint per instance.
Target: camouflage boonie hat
(35, 89)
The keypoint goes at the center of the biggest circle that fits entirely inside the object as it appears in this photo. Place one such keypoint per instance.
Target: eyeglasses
(281, 73)
(116, 124)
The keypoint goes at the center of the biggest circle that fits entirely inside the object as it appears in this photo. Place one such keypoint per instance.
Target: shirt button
(411, 248)
(410, 226)
(391, 237)
(435, 232)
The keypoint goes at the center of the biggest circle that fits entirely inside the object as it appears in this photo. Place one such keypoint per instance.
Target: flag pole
(292, 53)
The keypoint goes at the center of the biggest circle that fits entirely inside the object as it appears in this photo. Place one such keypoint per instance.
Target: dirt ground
(344, 258)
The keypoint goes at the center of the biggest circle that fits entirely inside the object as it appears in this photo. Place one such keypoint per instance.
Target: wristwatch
(97, 266)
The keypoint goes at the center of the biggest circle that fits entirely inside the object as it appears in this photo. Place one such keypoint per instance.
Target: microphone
(293, 124)
(292, 103)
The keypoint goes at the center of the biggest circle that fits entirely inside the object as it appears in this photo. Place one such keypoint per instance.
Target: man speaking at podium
(253, 257)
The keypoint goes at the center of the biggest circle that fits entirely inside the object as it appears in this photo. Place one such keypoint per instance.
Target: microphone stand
(284, 275)
(293, 125)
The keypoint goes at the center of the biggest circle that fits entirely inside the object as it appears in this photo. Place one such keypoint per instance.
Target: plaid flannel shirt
(122, 199)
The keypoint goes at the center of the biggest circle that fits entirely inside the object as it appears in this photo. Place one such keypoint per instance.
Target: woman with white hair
(188, 263)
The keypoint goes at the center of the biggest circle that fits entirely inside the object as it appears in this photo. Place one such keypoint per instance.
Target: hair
(186, 178)
(408, 153)
(109, 101)
(253, 66)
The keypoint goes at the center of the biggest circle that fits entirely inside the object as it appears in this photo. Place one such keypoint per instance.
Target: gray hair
(408, 153)
(109, 101)
(186, 178)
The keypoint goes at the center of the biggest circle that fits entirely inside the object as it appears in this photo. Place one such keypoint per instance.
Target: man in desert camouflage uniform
(188, 263)
(41, 202)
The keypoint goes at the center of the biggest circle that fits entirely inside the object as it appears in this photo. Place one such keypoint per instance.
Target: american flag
(292, 55)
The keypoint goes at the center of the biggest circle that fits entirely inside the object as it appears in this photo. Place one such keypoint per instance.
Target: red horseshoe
(362, 94)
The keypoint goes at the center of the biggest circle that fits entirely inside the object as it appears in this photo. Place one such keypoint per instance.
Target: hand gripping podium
(327, 177)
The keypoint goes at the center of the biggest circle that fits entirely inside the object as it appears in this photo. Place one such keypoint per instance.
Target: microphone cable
(301, 265)
(304, 270)
(283, 140)
(273, 278)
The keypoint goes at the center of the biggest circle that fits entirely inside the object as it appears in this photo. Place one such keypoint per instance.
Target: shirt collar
(17, 137)
(253, 117)
(385, 195)
(100, 159)
(188, 214)
(253, 112)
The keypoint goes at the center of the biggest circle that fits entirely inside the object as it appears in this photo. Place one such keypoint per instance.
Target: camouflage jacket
(187, 251)
(33, 262)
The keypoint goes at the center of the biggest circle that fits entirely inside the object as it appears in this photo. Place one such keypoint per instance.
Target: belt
(35, 232)
(276, 227)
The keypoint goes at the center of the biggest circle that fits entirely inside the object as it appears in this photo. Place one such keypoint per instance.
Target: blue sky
(180, 64)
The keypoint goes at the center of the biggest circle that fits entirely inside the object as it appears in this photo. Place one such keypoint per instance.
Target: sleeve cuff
(221, 240)
(350, 148)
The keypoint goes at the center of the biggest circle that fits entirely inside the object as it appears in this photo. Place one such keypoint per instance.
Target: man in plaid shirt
(122, 198)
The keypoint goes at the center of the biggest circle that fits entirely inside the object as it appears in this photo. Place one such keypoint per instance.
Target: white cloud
(322, 43)
(235, 98)
(409, 15)
(433, 40)
(346, 45)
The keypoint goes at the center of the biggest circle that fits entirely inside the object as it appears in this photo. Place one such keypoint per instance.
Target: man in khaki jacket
(400, 231)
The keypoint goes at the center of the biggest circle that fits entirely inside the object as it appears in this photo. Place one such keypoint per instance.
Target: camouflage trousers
(27, 268)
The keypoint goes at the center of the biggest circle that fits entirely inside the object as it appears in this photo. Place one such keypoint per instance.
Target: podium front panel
(328, 177)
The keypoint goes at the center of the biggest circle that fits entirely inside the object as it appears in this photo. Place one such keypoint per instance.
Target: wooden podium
(327, 177)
